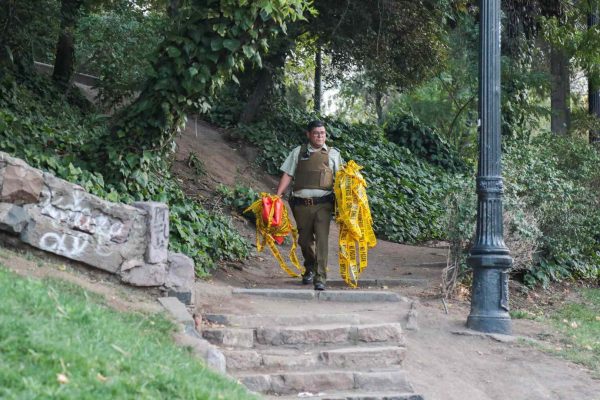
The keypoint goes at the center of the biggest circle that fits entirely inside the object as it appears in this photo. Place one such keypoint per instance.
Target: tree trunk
(264, 83)
(271, 66)
(561, 90)
(318, 86)
(64, 63)
(594, 86)
(379, 107)
(15, 42)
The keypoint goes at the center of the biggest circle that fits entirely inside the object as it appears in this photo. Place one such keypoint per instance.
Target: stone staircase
(347, 355)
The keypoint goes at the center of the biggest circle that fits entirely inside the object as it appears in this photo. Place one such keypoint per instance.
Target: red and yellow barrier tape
(354, 216)
(270, 229)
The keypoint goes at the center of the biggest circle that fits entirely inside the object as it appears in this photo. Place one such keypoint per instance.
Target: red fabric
(268, 203)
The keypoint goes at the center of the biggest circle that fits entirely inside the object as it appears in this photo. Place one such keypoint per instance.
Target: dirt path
(441, 365)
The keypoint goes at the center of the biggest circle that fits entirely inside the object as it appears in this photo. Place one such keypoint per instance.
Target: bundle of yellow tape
(266, 232)
(354, 216)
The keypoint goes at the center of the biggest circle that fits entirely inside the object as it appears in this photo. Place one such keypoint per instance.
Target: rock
(356, 357)
(181, 270)
(177, 310)
(383, 380)
(21, 184)
(230, 337)
(215, 359)
(212, 355)
(180, 277)
(379, 332)
(295, 382)
(12, 218)
(78, 225)
(412, 323)
(257, 383)
(242, 359)
(277, 336)
(138, 273)
(157, 230)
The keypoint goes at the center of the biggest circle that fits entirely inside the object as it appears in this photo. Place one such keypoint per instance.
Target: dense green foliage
(116, 46)
(60, 133)
(407, 131)
(558, 180)
(50, 328)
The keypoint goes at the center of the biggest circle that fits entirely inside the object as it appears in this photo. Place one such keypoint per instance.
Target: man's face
(317, 137)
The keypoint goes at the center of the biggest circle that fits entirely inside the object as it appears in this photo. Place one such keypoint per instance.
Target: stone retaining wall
(130, 241)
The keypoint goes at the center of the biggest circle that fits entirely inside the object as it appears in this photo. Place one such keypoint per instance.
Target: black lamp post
(489, 257)
(594, 82)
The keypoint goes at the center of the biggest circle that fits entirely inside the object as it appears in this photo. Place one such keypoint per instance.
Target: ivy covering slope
(58, 133)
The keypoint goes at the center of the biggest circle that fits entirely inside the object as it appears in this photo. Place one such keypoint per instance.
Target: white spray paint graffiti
(65, 244)
(160, 228)
(74, 213)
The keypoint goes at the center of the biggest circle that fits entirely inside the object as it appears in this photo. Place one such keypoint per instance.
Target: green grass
(580, 324)
(521, 314)
(49, 327)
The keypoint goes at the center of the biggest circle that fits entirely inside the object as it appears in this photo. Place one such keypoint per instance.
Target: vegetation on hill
(61, 133)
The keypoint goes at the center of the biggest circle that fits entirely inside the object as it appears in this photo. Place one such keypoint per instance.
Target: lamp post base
(489, 294)
(490, 324)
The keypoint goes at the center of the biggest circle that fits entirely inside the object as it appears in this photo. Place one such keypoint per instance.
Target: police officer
(312, 167)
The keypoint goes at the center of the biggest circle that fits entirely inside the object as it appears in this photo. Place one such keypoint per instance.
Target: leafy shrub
(239, 198)
(407, 131)
(42, 126)
(557, 178)
(551, 223)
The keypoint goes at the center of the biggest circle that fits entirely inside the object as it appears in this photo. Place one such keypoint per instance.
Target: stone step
(369, 283)
(356, 296)
(304, 335)
(254, 321)
(329, 334)
(354, 395)
(326, 380)
(229, 337)
(291, 359)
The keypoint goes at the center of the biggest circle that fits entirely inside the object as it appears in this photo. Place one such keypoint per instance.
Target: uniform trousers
(313, 234)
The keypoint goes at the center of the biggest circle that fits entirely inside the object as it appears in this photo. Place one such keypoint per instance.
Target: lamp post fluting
(489, 256)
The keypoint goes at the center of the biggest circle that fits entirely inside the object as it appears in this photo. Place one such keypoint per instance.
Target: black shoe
(308, 277)
(319, 286)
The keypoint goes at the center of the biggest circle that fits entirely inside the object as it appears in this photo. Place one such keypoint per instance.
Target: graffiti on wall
(97, 229)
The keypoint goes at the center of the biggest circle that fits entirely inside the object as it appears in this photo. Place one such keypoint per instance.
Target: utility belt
(309, 201)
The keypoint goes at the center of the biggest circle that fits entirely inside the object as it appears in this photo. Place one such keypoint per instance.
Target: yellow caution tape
(356, 225)
(265, 233)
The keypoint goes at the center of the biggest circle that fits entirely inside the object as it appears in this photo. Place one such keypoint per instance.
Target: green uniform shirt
(291, 162)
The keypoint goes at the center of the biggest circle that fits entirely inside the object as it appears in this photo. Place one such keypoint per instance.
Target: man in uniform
(312, 167)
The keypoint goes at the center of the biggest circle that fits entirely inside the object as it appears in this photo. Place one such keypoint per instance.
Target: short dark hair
(314, 124)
